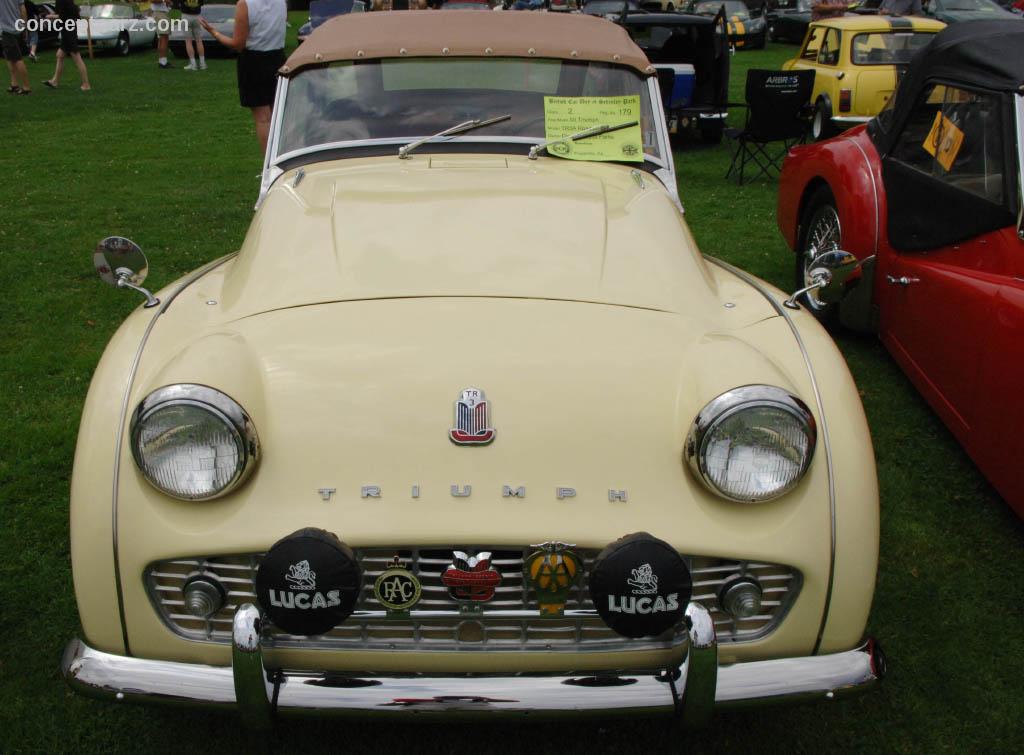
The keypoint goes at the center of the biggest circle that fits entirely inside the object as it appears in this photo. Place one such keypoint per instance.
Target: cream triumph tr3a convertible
(469, 424)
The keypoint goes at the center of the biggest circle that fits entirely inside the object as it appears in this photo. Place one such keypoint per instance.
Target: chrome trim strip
(787, 680)
(852, 118)
(119, 444)
(874, 190)
(756, 284)
(1020, 166)
(270, 171)
(664, 146)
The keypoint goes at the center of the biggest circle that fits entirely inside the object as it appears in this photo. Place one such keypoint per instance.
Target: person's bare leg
(161, 46)
(10, 69)
(58, 71)
(261, 117)
(189, 51)
(200, 48)
(22, 73)
(83, 74)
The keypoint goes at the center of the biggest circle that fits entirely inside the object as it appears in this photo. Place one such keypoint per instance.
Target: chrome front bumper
(692, 691)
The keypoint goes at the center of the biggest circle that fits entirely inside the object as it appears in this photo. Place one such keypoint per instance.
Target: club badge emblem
(552, 571)
(472, 419)
(397, 588)
(471, 579)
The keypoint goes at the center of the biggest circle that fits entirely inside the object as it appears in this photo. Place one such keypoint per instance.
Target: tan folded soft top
(367, 36)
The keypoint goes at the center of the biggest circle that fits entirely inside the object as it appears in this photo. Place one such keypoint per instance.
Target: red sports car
(929, 197)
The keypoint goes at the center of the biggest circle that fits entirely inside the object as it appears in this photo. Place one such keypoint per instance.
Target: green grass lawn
(169, 159)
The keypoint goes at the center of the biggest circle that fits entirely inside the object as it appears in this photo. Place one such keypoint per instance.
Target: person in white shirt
(259, 39)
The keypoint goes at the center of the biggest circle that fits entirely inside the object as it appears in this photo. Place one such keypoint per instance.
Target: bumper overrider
(690, 692)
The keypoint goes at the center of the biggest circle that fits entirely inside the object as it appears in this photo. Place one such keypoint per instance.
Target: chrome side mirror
(121, 263)
(829, 273)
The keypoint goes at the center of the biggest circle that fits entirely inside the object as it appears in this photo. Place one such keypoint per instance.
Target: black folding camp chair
(777, 112)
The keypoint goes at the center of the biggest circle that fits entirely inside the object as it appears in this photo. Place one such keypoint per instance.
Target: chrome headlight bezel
(728, 405)
(220, 406)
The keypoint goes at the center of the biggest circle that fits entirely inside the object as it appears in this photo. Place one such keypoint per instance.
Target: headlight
(193, 442)
(751, 444)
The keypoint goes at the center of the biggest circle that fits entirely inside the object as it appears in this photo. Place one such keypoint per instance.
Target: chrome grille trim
(509, 622)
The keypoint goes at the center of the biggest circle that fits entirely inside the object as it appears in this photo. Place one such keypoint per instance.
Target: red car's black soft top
(986, 56)
(977, 54)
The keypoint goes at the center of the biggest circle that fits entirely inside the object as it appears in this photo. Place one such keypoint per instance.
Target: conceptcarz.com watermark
(158, 26)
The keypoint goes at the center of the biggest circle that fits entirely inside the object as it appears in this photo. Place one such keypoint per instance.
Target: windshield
(218, 14)
(711, 8)
(601, 7)
(109, 11)
(406, 99)
(985, 6)
(887, 48)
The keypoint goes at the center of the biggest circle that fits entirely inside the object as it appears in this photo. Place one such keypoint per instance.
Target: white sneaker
(202, 66)
(191, 66)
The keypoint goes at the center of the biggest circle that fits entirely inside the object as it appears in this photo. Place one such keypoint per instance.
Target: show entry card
(944, 141)
(565, 116)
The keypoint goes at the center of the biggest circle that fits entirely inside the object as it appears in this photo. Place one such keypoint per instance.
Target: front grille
(508, 622)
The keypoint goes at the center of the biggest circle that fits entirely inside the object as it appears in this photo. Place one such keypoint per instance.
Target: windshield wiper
(403, 152)
(594, 131)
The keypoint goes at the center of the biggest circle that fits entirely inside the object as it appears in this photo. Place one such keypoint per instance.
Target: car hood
(467, 226)
(356, 394)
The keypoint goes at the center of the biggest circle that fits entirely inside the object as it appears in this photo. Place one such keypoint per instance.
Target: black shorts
(257, 76)
(11, 42)
(69, 39)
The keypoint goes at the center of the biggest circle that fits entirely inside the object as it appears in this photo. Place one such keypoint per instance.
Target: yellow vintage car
(857, 61)
(468, 425)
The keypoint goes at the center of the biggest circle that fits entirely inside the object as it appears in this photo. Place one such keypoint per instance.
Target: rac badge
(471, 579)
(552, 572)
(472, 419)
(397, 588)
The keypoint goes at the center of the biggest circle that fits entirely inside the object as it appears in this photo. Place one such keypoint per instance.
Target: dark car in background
(788, 20)
(691, 54)
(323, 10)
(746, 26)
(610, 8)
(953, 11)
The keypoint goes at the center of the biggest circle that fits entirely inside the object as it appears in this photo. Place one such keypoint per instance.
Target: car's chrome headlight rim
(727, 406)
(217, 405)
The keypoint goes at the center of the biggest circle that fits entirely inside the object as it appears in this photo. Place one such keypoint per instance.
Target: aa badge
(552, 572)
(397, 588)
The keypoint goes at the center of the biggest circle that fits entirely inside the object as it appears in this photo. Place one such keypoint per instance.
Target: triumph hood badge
(472, 419)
